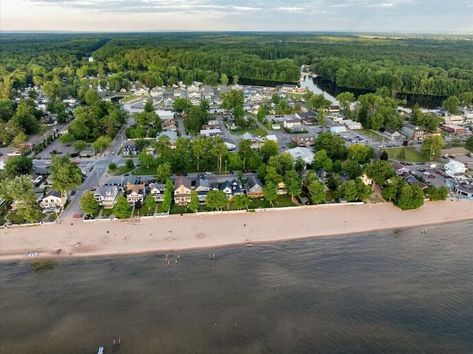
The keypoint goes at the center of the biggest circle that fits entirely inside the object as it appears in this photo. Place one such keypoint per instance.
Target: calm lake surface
(391, 292)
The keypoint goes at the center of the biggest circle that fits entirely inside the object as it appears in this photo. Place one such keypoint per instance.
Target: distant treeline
(428, 66)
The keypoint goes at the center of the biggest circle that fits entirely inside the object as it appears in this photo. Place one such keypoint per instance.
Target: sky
(400, 16)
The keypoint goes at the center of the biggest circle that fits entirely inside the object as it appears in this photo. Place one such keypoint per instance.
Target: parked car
(77, 215)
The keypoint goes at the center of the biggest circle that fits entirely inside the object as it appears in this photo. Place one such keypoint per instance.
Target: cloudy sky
(432, 16)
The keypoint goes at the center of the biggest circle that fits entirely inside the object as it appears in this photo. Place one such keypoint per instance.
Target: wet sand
(75, 238)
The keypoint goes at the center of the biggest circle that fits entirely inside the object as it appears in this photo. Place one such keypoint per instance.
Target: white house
(338, 129)
(106, 196)
(52, 202)
(453, 168)
(303, 153)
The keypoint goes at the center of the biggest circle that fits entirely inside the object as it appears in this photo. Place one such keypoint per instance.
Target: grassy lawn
(121, 171)
(144, 171)
(412, 155)
(106, 213)
(254, 131)
(281, 202)
(177, 209)
(371, 134)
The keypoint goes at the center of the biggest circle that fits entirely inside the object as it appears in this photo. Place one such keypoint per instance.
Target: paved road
(95, 170)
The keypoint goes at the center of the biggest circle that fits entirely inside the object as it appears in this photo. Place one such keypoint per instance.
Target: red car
(77, 216)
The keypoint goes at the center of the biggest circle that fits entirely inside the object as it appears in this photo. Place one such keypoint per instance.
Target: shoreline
(200, 231)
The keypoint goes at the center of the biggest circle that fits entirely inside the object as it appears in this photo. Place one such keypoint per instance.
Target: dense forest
(433, 66)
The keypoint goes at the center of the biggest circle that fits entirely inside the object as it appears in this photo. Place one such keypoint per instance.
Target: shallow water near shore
(393, 292)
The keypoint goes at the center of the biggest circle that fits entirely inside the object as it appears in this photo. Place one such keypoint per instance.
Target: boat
(101, 350)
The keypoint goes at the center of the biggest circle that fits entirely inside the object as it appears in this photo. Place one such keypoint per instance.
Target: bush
(112, 166)
(130, 164)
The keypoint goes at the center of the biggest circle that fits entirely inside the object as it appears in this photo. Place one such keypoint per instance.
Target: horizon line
(392, 32)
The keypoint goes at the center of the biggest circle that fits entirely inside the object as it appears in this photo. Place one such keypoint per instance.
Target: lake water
(392, 292)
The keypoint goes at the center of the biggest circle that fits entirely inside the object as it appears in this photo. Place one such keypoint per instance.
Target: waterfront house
(157, 191)
(182, 191)
(135, 191)
(254, 187)
(53, 201)
(106, 196)
(231, 188)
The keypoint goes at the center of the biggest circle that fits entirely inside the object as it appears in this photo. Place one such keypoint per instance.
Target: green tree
(17, 166)
(321, 160)
(89, 205)
(129, 164)
(194, 203)
(168, 195)
(380, 172)
(149, 205)
(352, 168)
(332, 144)
(270, 191)
(469, 143)
(316, 192)
(102, 143)
(146, 159)
(432, 147)
(181, 104)
(345, 99)
(360, 153)
(79, 145)
(224, 79)
(234, 162)
(348, 191)
(216, 200)
(268, 149)
(122, 209)
(65, 175)
(293, 183)
(20, 190)
(438, 193)
(451, 104)
(410, 197)
(163, 172)
(241, 201)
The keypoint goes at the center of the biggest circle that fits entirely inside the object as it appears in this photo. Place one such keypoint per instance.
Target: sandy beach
(77, 238)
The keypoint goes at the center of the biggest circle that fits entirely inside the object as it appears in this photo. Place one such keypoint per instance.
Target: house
(130, 149)
(281, 188)
(413, 132)
(157, 191)
(400, 169)
(453, 168)
(211, 132)
(231, 188)
(308, 118)
(182, 191)
(455, 152)
(52, 201)
(303, 141)
(453, 129)
(106, 196)
(338, 129)
(135, 192)
(172, 136)
(254, 187)
(352, 125)
(247, 136)
(392, 135)
(170, 125)
(303, 153)
(292, 123)
(464, 191)
(202, 186)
